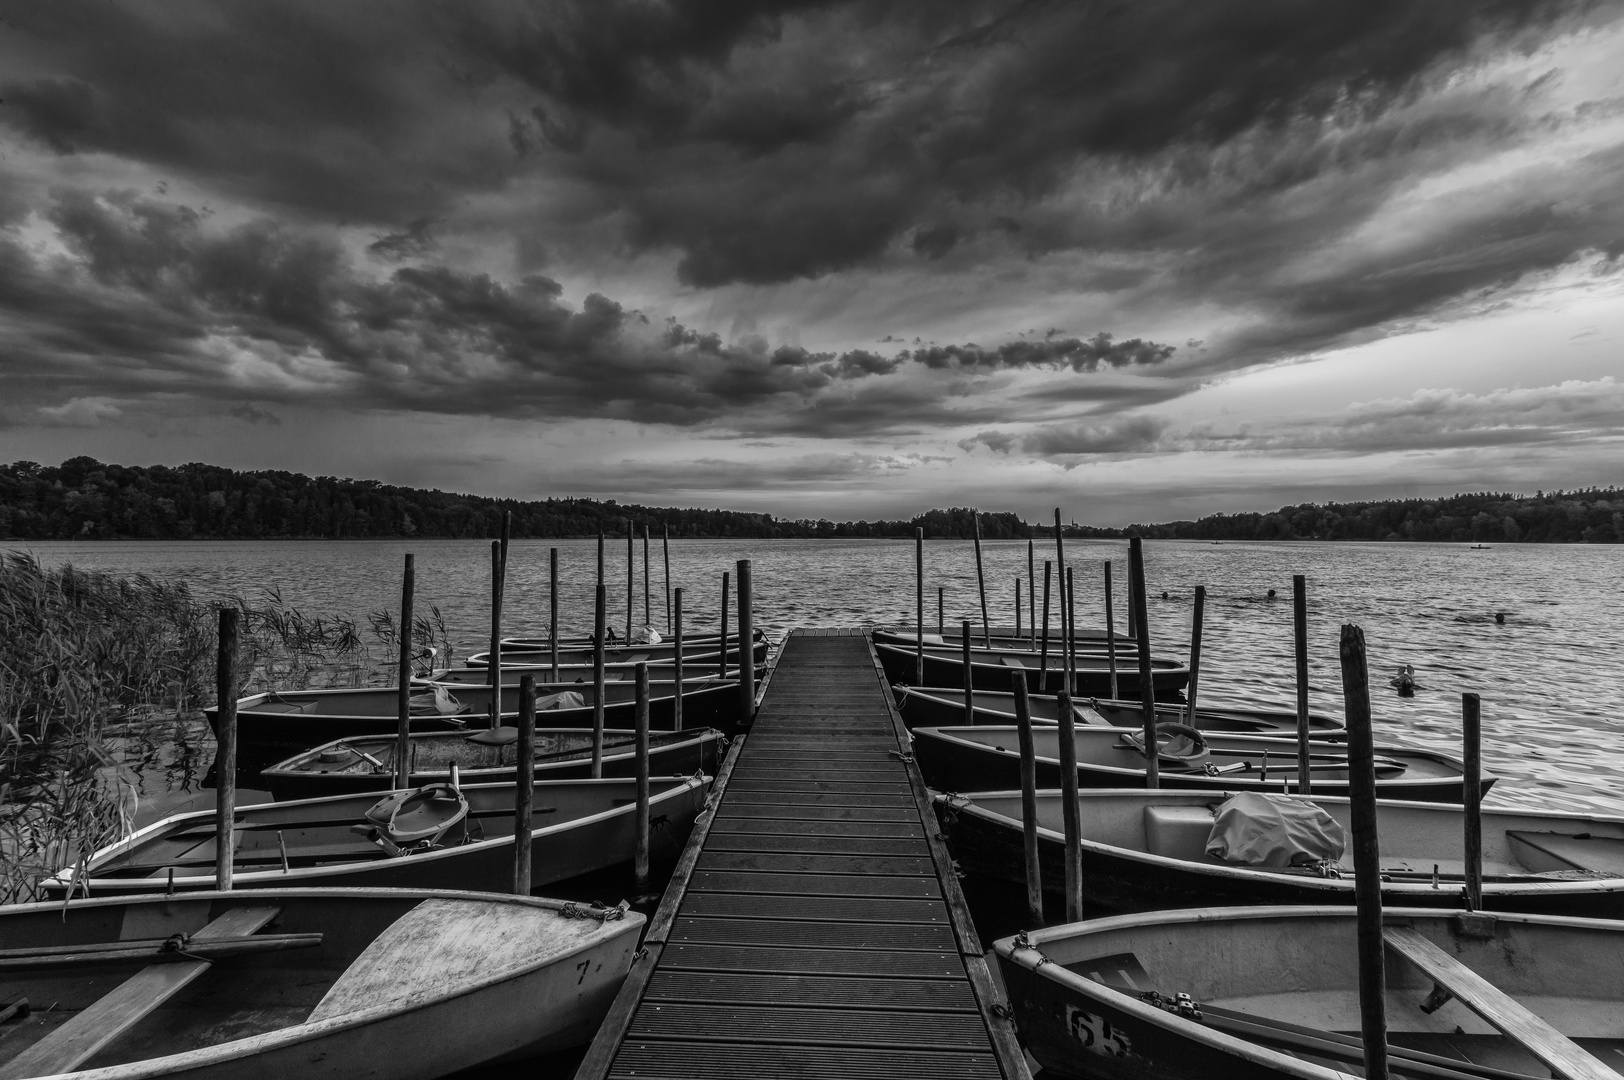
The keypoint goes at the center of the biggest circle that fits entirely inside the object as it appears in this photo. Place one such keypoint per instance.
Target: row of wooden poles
(227, 681)
(1138, 632)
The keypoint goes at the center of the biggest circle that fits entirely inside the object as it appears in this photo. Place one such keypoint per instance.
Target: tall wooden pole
(507, 531)
(941, 595)
(1195, 652)
(747, 652)
(1071, 627)
(1020, 628)
(721, 662)
(1070, 808)
(648, 617)
(665, 544)
(1299, 614)
(981, 581)
(1472, 738)
(524, 789)
(1110, 632)
(969, 681)
(225, 758)
(600, 629)
(676, 702)
(1029, 802)
(1032, 588)
(631, 575)
(1043, 654)
(1147, 688)
(640, 867)
(403, 699)
(919, 607)
(1367, 885)
(493, 659)
(1060, 583)
(552, 633)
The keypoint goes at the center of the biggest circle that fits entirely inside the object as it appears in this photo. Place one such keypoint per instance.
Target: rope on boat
(604, 913)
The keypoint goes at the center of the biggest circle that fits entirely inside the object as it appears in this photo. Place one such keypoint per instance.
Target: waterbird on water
(1404, 681)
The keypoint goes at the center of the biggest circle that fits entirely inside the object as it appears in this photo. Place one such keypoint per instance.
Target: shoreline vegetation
(98, 673)
(85, 499)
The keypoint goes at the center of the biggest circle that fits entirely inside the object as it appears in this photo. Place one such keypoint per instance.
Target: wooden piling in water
(1032, 587)
(1110, 631)
(1139, 609)
(493, 659)
(919, 607)
(747, 652)
(969, 680)
(225, 758)
(600, 629)
(1472, 755)
(676, 702)
(1070, 808)
(640, 867)
(1060, 583)
(1194, 689)
(665, 544)
(631, 575)
(721, 661)
(941, 594)
(1071, 627)
(981, 581)
(524, 790)
(403, 698)
(1299, 616)
(648, 617)
(552, 623)
(1029, 802)
(1043, 654)
(1367, 886)
(1019, 630)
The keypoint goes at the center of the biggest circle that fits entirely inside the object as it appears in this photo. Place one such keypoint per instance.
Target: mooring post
(1032, 587)
(1367, 885)
(665, 544)
(981, 581)
(919, 607)
(524, 790)
(1147, 688)
(676, 700)
(941, 595)
(1020, 630)
(648, 617)
(1110, 632)
(1195, 653)
(1071, 630)
(969, 681)
(493, 659)
(1299, 615)
(721, 662)
(552, 631)
(225, 758)
(1472, 754)
(1070, 808)
(600, 628)
(1029, 802)
(747, 651)
(1060, 583)
(640, 864)
(403, 699)
(1043, 653)
(631, 576)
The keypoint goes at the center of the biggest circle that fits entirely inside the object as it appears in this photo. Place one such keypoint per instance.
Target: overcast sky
(1141, 260)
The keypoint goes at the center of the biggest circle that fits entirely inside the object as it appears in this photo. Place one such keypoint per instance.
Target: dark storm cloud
(1056, 352)
(1068, 442)
(154, 299)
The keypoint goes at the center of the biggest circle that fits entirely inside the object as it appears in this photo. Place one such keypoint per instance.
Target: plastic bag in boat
(1255, 829)
(564, 699)
(646, 635)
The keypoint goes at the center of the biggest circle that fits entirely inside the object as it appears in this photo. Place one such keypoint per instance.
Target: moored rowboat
(991, 670)
(1148, 849)
(1273, 992)
(934, 706)
(347, 766)
(987, 758)
(699, 654)
(579, 826)
(397, 984)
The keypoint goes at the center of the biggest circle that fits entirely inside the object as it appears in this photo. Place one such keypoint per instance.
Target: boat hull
(1093, 678)
(944, 706)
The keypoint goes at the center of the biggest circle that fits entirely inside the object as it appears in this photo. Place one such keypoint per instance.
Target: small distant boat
(1480, 547)
(395, 984)
(580, 826)
(1273, 992)
(991, 670)
(348, 766)
(987, 758)
(937, 706)
(274, 725)
(1144, 850)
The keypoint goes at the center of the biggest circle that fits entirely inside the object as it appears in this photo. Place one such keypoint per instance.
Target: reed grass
(97, 670)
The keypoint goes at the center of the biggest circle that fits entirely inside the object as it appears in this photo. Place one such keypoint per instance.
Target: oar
(150, 950)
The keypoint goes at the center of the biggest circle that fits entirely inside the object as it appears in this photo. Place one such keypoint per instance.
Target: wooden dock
(814, 927)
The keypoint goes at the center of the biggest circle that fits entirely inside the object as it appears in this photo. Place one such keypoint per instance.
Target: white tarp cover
(1254, 829)
(564, 699)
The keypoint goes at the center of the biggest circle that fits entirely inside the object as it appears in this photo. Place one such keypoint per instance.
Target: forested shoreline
(86, 499)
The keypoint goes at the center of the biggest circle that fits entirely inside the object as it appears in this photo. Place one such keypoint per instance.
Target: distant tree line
(84, 498)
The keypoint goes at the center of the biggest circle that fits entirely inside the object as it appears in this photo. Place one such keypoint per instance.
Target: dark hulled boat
(991, 670)
(938, 706)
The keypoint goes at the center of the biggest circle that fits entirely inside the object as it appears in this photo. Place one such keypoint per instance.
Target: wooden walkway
(814, 927)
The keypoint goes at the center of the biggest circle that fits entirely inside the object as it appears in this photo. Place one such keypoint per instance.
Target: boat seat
(1178, 832)
(132, 1001)
(1544, 851)
(1560, 1054)
(1014, 662)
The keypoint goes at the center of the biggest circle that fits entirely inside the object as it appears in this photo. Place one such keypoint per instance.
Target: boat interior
(465, 699)
(438, 751)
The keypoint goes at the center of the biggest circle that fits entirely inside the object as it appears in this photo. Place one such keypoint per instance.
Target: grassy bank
(94, 669)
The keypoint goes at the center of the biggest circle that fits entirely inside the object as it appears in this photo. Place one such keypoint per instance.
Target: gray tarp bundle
(1254, 829)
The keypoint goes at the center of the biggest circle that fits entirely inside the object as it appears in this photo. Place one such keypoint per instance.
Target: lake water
(1551, 677)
